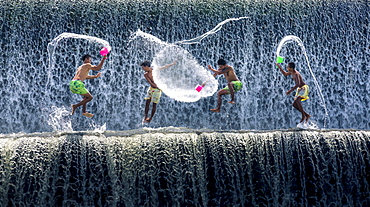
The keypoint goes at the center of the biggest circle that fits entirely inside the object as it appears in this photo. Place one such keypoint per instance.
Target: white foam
(308, 125)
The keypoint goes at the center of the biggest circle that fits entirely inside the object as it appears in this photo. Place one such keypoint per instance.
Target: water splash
(59, 119)
(98, 128)
(308, 125)
(150, 38)
(178, 81)
(292, 38)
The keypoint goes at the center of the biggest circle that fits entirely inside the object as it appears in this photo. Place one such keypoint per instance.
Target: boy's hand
(98, 75)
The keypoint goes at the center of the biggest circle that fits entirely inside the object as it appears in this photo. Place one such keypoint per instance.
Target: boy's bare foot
(215, 110)
(87, 114)
(307, 117)
(303, 118)
(73, 109)
(232, 102)
(146, 120)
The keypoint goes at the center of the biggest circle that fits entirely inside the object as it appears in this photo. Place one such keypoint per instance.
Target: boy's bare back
(230, 74)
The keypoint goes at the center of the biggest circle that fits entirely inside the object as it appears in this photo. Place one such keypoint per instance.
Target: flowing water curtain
(178, 167)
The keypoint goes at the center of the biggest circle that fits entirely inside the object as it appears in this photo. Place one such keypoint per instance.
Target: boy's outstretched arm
(282, 71)
(210, 67)
(168, 65)
(98, 67)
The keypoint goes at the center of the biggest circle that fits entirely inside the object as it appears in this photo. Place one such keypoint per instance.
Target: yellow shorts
(154, 94)
(303, 92)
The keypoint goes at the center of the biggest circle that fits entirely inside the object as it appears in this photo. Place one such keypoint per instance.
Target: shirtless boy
(233, 84)
(78, 87)
(302, 89)
(154, 93)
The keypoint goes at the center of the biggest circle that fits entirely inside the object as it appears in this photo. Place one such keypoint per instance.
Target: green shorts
(237, 86)
(154, 94)
(77, 87)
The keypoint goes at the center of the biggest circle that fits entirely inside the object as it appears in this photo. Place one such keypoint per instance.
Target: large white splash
(178, 81)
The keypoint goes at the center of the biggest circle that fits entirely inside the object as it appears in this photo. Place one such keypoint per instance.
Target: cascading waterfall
(187, 156)
(182, 167)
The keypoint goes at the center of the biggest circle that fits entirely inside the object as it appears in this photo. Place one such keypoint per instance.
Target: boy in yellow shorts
(154, 93)
(302, 89)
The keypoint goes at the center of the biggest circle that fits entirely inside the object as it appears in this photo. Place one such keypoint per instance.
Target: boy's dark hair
(85, 56)
(145, 63)
(221, 62)
(291, 65)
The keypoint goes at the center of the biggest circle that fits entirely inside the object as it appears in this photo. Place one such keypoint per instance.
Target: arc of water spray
(147, 36)
(54, 43)
(213, 31)
(291, 38)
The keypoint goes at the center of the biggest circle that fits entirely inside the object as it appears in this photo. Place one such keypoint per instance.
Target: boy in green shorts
(233, 84)
(78, 87)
